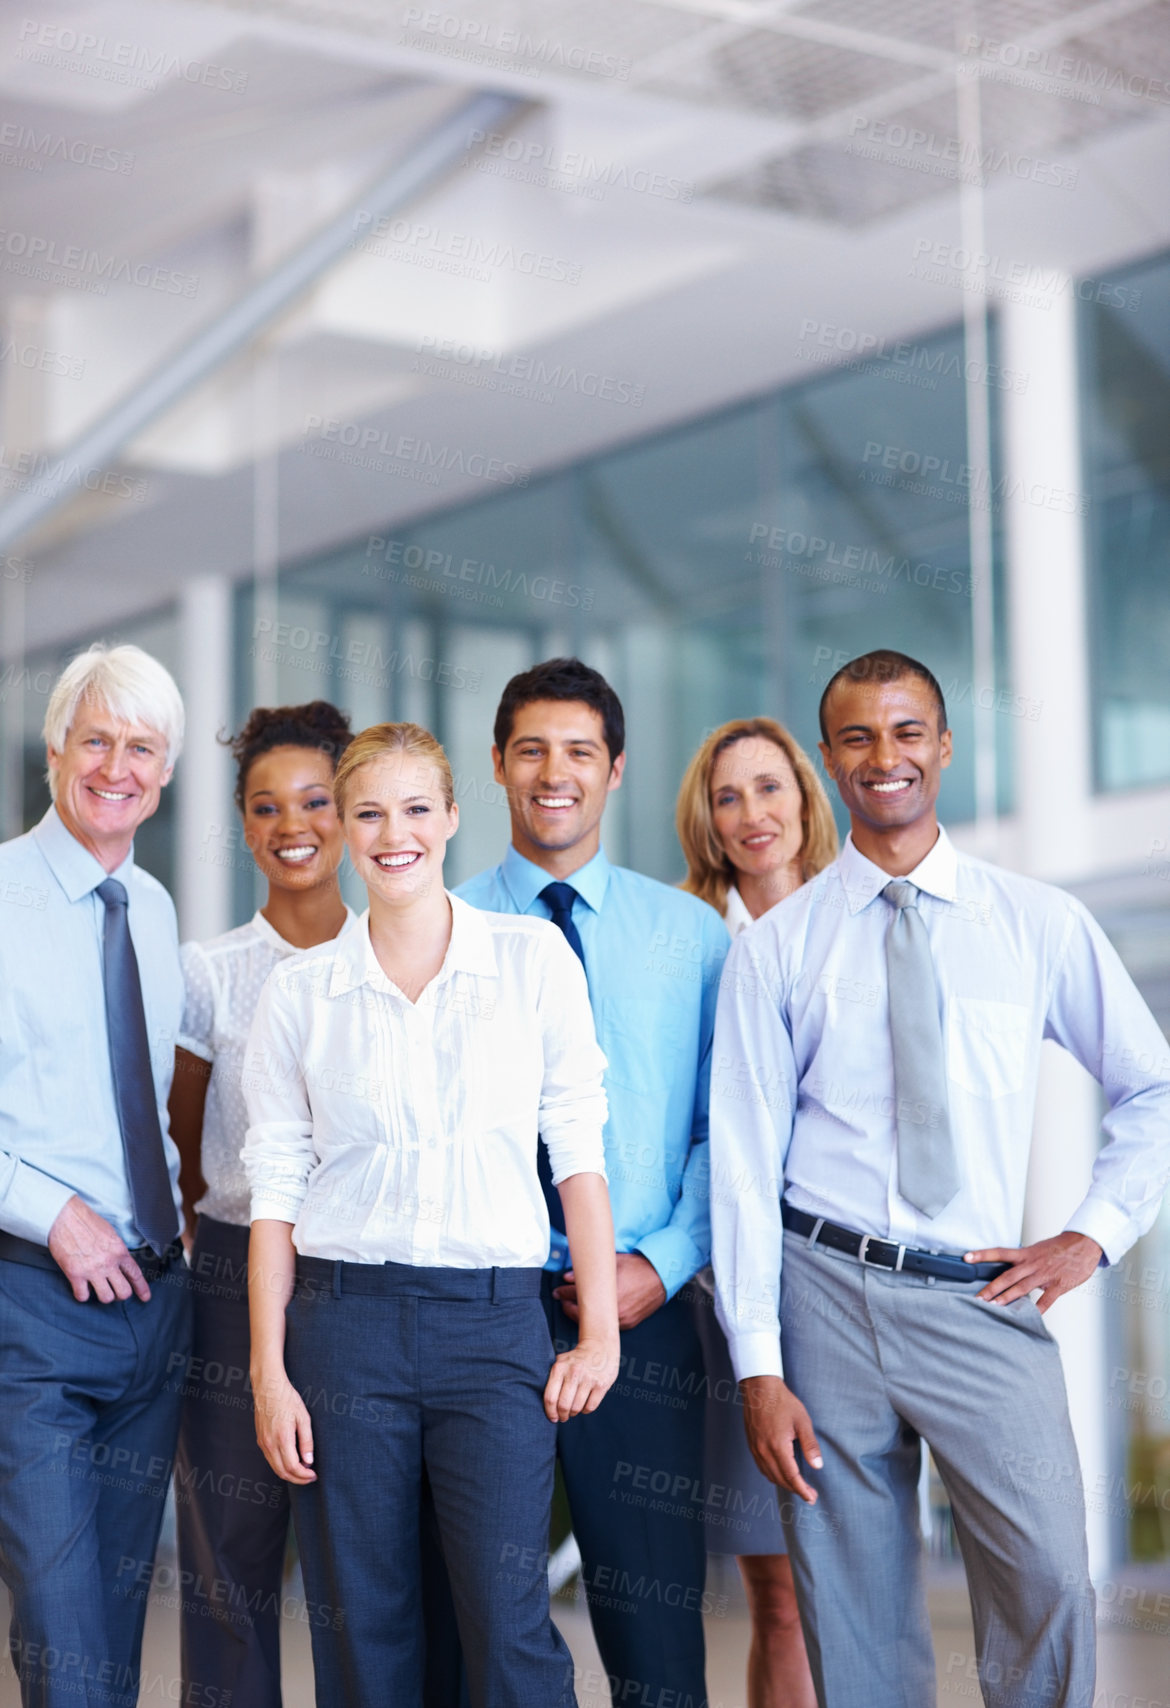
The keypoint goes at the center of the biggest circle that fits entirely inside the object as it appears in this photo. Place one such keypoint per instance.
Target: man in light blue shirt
(94, 1302)
(876, 1060)
(652, 956)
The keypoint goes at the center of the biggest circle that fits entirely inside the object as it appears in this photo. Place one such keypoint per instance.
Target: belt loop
(495, 1285)
(901, 1257)
(337, 1280)
(816, 1230)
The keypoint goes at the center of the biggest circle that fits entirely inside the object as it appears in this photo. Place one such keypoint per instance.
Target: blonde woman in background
(754, 823)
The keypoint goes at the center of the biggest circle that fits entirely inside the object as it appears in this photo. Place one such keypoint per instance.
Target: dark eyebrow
(253, 793)
(867, 729)
(570, 741)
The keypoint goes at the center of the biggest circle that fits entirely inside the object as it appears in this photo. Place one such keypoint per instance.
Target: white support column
(208, 829)
(13, 692)
(1046, 604)
(1045, 549)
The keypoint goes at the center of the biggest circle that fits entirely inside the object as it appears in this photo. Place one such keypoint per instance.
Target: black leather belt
(319, 1277)
(884, 1253)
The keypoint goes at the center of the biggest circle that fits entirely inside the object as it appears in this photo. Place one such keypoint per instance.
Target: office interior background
(373, 351)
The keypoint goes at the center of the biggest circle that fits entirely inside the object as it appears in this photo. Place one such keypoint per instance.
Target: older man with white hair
(94, 1300)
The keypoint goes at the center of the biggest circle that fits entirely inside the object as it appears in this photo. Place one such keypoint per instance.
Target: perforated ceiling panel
(766, 71)
(864, 90)
(1137, 46)
(1042, 91)
(917, 152)
(942, 23)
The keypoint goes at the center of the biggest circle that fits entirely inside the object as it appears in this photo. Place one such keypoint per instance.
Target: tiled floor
(1134, 1667)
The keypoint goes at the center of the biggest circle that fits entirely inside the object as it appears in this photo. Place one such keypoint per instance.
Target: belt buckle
(872, 1239)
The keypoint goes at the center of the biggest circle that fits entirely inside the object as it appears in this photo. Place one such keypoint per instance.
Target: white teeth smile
(552, 801)
(392, 861)
(292, 856)
(893, 788)
(109, 795)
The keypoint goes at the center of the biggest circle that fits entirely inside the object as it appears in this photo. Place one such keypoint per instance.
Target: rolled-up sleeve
(573, 1106)
(278, 1153)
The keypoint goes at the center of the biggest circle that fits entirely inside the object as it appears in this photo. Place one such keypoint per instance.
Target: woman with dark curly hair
(233, 1514)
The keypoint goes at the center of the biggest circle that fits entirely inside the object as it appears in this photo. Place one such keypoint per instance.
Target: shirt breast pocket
(988, 1046)
(645, 1043)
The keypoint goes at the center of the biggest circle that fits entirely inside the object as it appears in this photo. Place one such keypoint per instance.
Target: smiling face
(757, 807)
(290, 821)
(887, 755)
(107, 780)
(557, 771)
(397, 826)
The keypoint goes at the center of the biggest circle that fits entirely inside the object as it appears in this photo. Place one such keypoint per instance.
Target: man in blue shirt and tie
(876, 1058)
(633, 1470)
(94, 1301)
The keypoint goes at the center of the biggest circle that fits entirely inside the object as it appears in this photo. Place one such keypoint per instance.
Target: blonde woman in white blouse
(754, 823)
(396, 1087)
(233, 1514)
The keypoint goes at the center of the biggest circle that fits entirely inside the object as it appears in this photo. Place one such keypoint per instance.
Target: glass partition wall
(722, 569)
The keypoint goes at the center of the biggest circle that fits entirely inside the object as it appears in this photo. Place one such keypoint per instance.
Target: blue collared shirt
(803, 1099)
(653, 956)
(59, 1131)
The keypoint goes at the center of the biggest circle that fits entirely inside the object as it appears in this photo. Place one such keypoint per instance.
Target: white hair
(133, 687)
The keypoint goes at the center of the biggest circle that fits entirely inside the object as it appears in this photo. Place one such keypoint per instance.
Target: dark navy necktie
(559, 899)
(134, 1095)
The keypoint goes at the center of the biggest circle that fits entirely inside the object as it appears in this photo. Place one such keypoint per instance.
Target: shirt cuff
(1111, 1227)
(273, 1205)
(755, 1354)
(194, 1047)
(674, 1256)
(32, 1204)
(574, 1150)
(566, 1167)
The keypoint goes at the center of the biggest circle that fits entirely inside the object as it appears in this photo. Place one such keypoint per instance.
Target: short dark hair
(316, 725)
(562, 679)
(883, 665)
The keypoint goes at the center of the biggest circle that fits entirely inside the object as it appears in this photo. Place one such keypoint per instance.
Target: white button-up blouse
(386, 1130)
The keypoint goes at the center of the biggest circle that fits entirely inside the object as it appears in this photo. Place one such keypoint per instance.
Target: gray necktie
(928, 1174)
(134, 1096)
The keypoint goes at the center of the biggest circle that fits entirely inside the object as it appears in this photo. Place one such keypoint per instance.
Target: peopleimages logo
(382, 443)
(533, 161)
(932, 362)
(959, 482)
(531, 376)
(120, 61)
(34, 256)
(392, 238)
(484, 39)
(23, 146)
(38, 360)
